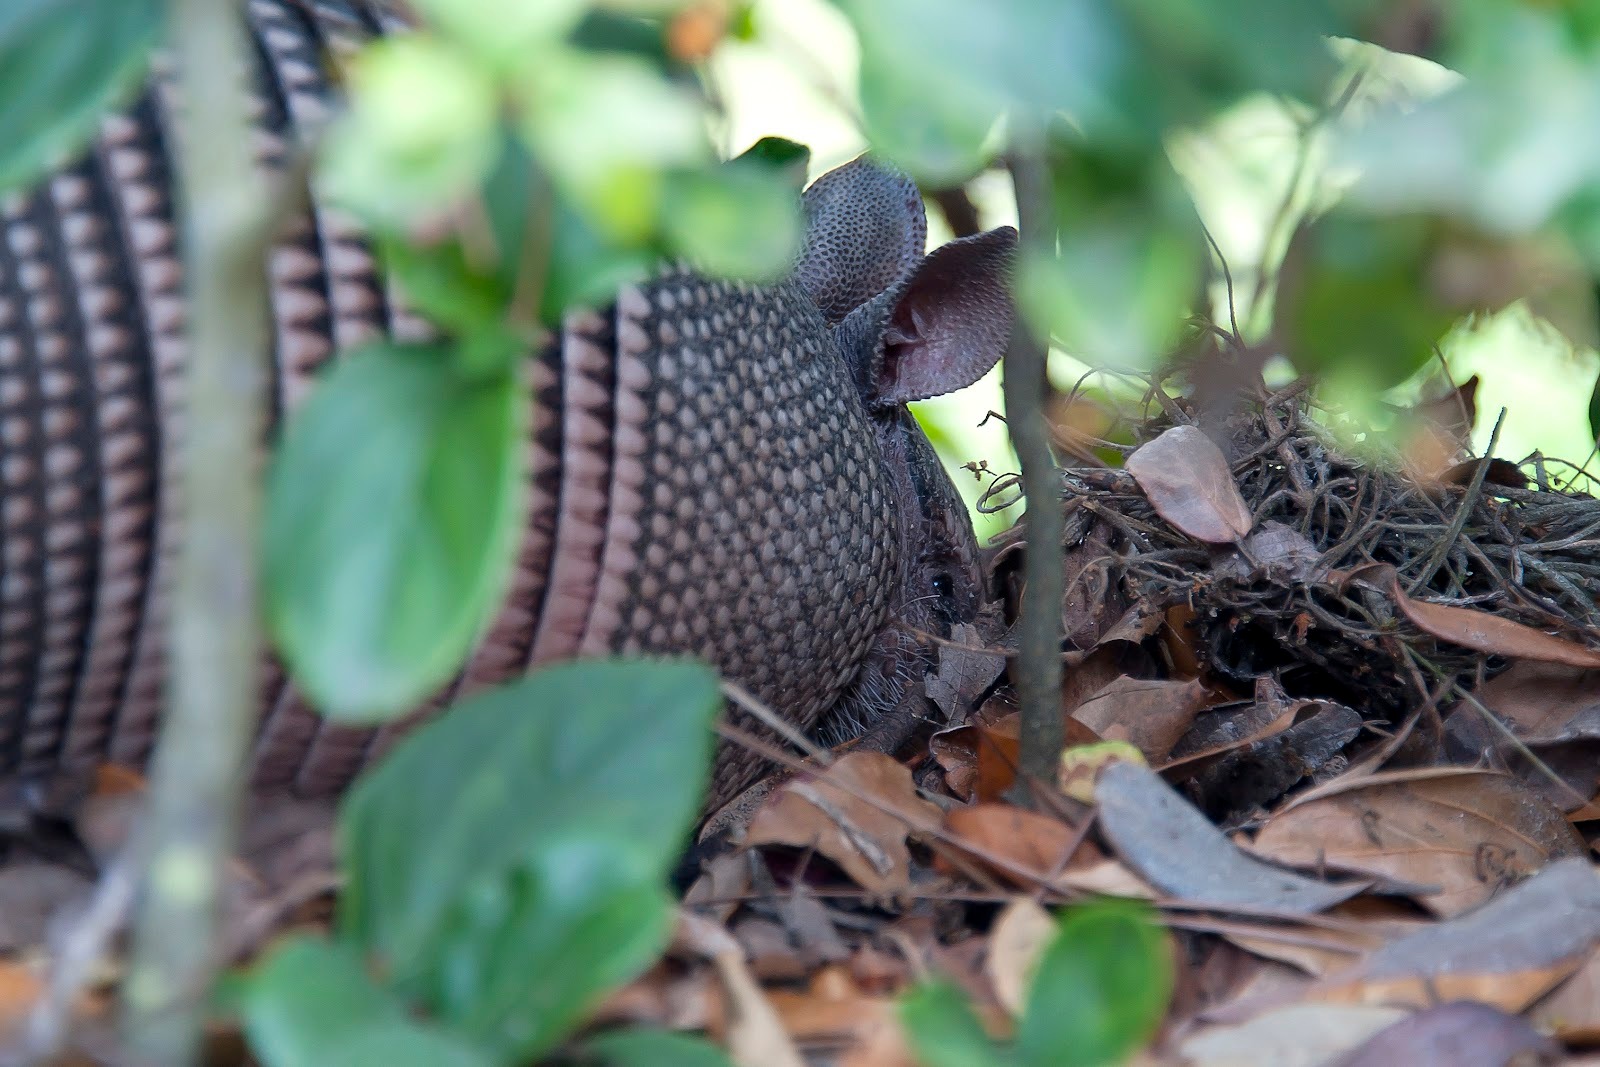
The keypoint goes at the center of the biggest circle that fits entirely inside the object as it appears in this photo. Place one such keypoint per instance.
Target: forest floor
(1334, 720)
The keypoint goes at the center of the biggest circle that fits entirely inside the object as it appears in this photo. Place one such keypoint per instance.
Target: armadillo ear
(865, 228)
(950, 320)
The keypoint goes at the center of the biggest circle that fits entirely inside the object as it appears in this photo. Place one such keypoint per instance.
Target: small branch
(197, 772)
(1026, 388)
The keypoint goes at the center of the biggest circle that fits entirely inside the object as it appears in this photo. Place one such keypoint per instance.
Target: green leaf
(644, 1047)
(936, 74)
(606, 127)
(520, 963)
(393, 514)
(1128, 261)
(739, 220)
(421, 131)
(63, 63)
(1100, 990)
(943, 1031)
(790, 158)
(495, 816)
(503, 33)
(1354, 297)
(310, 1003)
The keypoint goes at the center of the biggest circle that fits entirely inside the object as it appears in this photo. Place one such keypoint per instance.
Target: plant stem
(1026, 387)
(197, 772)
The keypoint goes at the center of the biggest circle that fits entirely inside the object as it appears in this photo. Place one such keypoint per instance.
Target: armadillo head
(909, 327)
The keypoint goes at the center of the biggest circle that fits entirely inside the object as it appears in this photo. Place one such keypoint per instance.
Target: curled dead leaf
(857, 813)
(1152, 715)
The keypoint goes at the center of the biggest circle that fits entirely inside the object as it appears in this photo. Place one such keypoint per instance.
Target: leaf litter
(1281, 666)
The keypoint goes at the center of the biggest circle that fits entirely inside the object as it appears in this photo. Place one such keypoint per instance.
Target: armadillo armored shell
(703, 479)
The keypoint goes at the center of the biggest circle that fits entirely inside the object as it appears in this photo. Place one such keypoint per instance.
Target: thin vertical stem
(197, 774)
(1026, 388)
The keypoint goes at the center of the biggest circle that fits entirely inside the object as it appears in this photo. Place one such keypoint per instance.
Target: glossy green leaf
(310, 1003)
(470, 809)
(643, 1047)
(1100, 988)
(393, 513)
(63, 63)
(737, 221)
(521, 961)
(944, 1032)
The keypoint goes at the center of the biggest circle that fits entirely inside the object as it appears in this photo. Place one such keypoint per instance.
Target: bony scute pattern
(713, 468)
(764, 517)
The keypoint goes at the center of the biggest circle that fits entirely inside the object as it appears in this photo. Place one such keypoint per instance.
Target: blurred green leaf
(936, 74)
(521, 960)
(1100, 989)
(944, 1032)
(598, 765)
(740, 220)
(310, 1003)
(392, 516)
(789, 158)
(606, 127)
(643, 1047)
(587, 266)
(506, 34)
(62, 63)
(1197, 57)
(1128, 263)
(1497, 149)
(1354, 297)
(421, 131)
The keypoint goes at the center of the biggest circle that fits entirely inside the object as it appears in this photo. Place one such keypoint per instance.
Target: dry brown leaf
(1471, 834)
(1152, 715)
(1280, 552)
(1170, 844)
(756, 1036)
(1546, 703)
(1020, 934)
(1462, 1034)
(1507, 953)
(1482, 632)
(1108, 878)
(966, 669)
(1187, 480)
(831, 1008)
(857, 813)
(1366, 923)
(1301, 1035)
(1037, 844)
(1572, 1011)
(980, 758)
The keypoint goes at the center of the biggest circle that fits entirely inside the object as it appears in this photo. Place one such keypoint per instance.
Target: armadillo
(716, 468)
